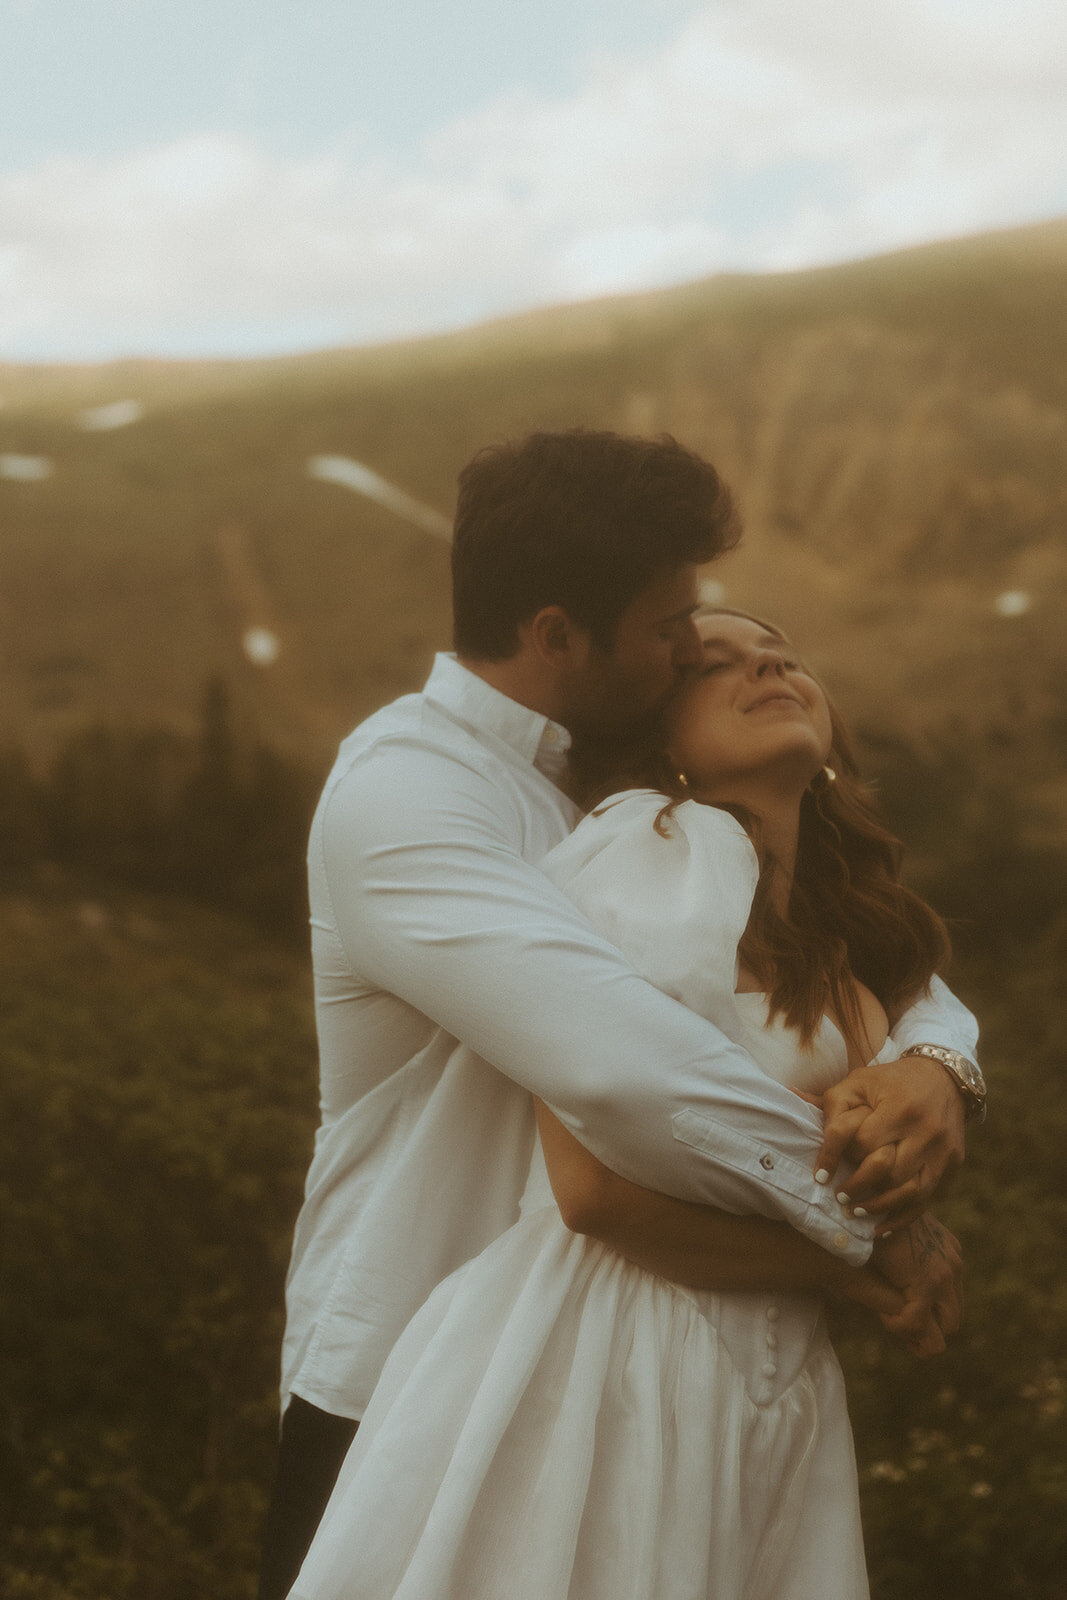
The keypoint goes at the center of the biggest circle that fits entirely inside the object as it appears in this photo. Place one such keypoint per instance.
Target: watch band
(965, 1074)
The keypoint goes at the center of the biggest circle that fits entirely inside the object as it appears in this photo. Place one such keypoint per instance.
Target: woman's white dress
(557, 1424)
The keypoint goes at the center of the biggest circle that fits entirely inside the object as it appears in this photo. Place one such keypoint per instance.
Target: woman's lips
(782, 699)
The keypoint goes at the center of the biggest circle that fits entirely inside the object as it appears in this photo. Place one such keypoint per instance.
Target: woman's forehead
(725, 627)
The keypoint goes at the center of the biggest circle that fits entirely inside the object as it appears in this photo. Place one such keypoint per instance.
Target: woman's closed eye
(788, 663)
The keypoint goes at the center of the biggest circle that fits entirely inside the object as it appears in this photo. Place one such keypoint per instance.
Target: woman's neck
(779, 834)
(778, 814)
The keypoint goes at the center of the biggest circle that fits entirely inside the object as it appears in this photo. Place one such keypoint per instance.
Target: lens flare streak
(116, 414)
(25, 469)
(354, 475)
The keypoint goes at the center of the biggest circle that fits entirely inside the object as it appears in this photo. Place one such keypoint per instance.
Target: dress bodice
(538, 1191)
(776, 1047)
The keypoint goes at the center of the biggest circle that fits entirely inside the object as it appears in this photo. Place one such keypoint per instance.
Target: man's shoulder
(413, 728)
(397, 720)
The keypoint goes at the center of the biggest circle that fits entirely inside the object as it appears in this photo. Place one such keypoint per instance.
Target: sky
(244, 177)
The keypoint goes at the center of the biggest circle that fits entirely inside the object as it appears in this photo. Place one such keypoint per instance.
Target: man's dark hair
(581, 520)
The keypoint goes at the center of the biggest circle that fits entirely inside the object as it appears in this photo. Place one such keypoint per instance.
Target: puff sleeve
(672, 892)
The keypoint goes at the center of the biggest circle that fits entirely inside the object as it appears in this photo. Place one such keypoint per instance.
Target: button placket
(769, 1366)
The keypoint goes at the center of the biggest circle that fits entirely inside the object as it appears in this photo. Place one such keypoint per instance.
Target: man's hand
(925, 1264)
(902, 1121)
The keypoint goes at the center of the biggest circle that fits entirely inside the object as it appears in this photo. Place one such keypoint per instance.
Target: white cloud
(763, 135)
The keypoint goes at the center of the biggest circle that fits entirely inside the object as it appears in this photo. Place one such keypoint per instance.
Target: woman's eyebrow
(719, 643)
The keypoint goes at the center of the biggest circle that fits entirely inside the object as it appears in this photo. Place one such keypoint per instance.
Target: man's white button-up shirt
(439, 947)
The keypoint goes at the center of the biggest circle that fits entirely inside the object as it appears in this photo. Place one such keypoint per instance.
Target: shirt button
(766, 1162)
(768, 1369)
(773, 1313)
(840, 1241)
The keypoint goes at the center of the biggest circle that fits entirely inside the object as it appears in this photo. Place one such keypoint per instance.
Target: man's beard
(603, 758)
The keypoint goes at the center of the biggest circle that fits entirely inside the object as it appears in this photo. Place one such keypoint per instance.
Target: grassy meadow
(896, 432)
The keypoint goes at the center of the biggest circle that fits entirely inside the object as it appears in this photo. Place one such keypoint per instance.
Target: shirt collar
(463, 694)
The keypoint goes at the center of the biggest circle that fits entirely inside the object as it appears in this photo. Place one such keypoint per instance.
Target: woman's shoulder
(633, 806)
(642, 827)
(638, 813)
(669, 886)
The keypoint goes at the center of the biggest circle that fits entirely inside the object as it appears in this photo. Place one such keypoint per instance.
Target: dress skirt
(557, 1424)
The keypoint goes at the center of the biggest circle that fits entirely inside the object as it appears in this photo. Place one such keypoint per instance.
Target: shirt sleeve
(434, 903)
(938, 1018)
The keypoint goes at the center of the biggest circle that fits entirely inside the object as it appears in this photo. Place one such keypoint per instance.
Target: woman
(558, 1423)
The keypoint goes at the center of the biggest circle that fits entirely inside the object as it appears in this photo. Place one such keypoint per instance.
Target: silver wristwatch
(965, 1074)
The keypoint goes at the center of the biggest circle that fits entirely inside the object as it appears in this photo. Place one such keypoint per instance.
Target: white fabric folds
(557, 1424)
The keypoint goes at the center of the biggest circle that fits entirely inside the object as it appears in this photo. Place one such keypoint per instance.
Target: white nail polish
(843, 1197)
(858, 1211)
(822, 1176)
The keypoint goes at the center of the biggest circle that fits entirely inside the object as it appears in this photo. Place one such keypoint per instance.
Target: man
(575, 579)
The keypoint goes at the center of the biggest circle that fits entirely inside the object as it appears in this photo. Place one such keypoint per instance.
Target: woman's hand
(902, 1123)
(925, 1263)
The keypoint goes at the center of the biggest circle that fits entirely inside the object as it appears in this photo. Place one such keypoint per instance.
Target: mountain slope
(896, 431)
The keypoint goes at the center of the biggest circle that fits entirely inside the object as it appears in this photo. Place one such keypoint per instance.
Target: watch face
(972, 1076)
(966, 1073)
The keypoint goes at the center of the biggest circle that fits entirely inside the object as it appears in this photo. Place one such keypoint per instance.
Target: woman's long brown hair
(849, 916)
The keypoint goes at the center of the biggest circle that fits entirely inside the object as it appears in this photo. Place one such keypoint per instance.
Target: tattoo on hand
(927, 1239)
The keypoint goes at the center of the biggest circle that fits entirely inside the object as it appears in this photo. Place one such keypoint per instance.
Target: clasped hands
(901, 1122)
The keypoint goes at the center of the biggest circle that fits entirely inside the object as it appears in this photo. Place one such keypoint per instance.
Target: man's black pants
(312, 1447)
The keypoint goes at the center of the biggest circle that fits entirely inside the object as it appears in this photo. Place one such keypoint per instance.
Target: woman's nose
(768, 661)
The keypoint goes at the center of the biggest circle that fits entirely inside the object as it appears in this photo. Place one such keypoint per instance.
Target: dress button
(768, 1369)
(773, 1313)
(840, 1241)
(772, 1341)
(767, 1163)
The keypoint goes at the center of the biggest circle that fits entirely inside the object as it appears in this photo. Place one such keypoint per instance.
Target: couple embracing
(633, 1050)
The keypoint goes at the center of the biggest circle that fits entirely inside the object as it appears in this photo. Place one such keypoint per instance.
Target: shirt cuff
(811, 1208)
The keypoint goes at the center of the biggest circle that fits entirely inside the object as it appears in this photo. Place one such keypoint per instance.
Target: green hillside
(896, 430)
(157, 1101)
